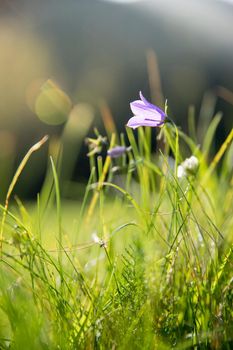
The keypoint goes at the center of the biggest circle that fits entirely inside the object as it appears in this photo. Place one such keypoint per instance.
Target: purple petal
(144, 99)
(140, 109)
(117, 151)
(145, 114)
(150, 105)
(135, 122)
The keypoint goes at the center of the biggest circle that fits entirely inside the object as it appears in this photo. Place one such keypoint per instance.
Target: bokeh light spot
(52, 105)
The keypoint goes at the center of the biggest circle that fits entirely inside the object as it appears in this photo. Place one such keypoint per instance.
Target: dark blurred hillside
(99, 49)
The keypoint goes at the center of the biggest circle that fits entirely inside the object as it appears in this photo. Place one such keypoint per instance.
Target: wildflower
(191, 164)
(188, 167)
(145, 114)
(117, 151)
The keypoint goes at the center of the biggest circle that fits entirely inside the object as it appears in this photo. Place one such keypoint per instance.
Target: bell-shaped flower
(116, 151)
(145, 114)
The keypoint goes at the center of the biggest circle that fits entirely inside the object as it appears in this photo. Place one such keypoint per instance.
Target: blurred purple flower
(145, 114)
(117, 151)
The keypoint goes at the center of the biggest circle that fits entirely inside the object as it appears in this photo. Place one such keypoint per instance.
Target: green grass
(160, 276)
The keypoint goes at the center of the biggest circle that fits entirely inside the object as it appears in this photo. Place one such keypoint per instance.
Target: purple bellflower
(116, 151)
(145, 114)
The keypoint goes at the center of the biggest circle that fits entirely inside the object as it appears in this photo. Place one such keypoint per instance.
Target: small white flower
(188, 167)
(191, 163)
(181, 172)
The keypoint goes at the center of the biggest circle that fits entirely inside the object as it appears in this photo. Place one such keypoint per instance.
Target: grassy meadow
(143, 261)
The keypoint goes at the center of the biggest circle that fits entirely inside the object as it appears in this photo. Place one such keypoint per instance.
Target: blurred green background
(61, 61)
